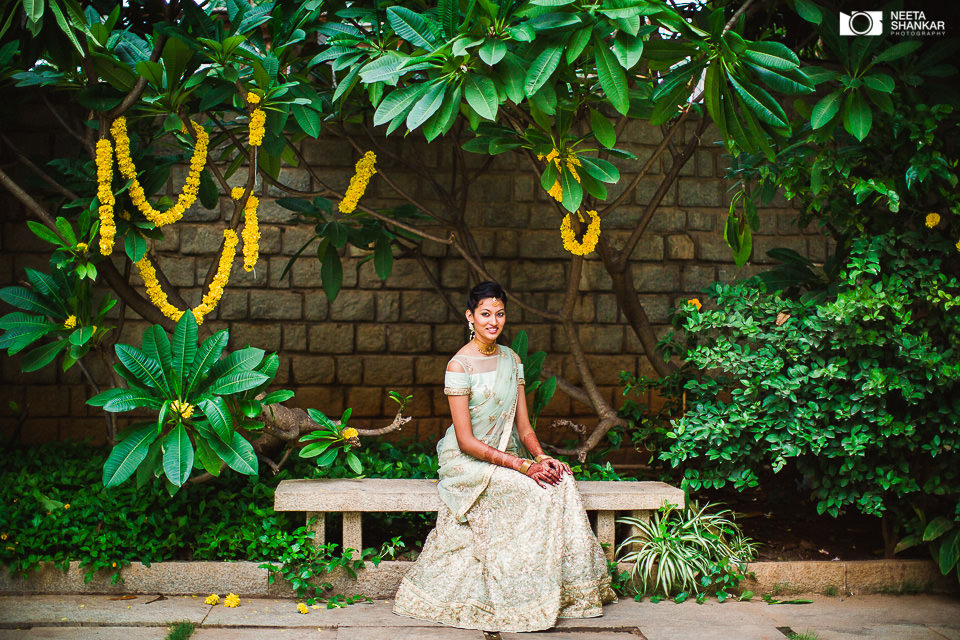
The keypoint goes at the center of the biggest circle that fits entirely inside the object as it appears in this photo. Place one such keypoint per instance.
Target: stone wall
(397, 335)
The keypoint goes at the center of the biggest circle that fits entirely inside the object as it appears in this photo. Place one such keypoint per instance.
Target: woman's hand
(558, 467)
(544, 474)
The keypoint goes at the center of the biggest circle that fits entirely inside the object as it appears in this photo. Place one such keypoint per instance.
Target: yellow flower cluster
(590, 238)
(933, 219)
(129, 171)
(570, 160)
(957, 245)
(185, 409)
(70, 322)
(256, 126)
(251, 228)
(349, 433)
(365, 169)
(108, 228)
(82, 247)
(695, 302)
(232, 600)
(212, 599)
(210, 300)
(302, 608)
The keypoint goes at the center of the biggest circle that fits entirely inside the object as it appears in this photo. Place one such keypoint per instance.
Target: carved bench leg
(319, 527)
(352, 532)
(606, 532)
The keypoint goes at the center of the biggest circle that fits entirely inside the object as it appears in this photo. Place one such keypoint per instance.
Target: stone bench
(355, 496)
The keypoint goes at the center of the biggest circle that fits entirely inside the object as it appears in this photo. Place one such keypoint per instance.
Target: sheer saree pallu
(507, 554)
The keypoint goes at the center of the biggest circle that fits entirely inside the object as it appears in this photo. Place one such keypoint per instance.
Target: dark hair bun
(484, 290)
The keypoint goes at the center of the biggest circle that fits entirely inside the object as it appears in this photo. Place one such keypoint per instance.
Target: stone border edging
(249, 580)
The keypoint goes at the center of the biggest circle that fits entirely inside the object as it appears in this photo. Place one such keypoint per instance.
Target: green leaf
(613, 80)
(217, 413)
(237, 382)
(33, 9)
(44, 233)
(602, 129)
(899, 50)
(760, 102)
(177, 455)
(936, 528)
(808, 11)
(857, 116)
(327, 458)
(274, 397)
(307, 118)
(208, 353)
(427, 105)
(383, 258)
(208, 192)
(135, 246)
(238, 454)
(129, 399)
(314, 449)
(572, 191)
(184, 350)
(577, 43)
(492, 51)
(128, 454)
(880, 82)
(151, 461)
(152, 71)
(41, 356)
(146, 370)
(208, 458)
(331, 273)
(176, 55)
(412, 27)
(825, 110)
(600, 169)
(481, 94)
(949, 551)
(354, 463)
(773, 55)
(246, 359)
(789, 81)
(397, 103)
(628, 49)
(541, 69)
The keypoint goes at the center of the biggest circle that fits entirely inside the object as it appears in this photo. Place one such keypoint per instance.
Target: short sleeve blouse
(478, 372)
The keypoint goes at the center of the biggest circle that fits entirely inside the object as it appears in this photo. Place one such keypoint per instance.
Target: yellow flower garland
(251, 228)
(210, 300)
(108, 228)
(365, 170)
(590, 238)
(137, 195)
(256, 126)
(571, 161)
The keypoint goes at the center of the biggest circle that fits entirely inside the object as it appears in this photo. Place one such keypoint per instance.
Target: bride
(513, 550)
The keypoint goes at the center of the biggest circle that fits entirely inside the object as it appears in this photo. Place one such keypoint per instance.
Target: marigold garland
(213, 295)
(108, 228)
(256, 126)
(570, 161)
(590, 238)
(933, 219)
(128, 170)
(251, 228)
(365, 170)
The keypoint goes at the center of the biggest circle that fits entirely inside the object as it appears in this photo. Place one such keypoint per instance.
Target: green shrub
(859, 392)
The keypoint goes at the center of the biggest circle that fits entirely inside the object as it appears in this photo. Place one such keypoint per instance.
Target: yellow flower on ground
(349, 433)
(365, 169)
(590, 238)
(70, 322)
(184, 409)
(302, 608)
(232, 600)
(256, 127)
(933, 219)
(695, 302)
(212, 599)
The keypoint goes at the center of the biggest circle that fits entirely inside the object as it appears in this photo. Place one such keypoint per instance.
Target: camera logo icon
(861, 23)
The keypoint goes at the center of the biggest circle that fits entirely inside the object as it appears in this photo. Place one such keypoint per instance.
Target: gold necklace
(487, 351)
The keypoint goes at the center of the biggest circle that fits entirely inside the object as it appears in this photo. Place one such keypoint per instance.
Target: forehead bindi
(493, 305)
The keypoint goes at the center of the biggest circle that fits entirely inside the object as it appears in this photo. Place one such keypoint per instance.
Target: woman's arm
(528, 436)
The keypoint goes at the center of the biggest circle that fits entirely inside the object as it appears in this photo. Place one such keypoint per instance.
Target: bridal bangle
(542, 457)
(525, 466)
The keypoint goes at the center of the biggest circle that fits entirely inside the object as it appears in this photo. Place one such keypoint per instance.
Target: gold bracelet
(524, 466)
(542, 457)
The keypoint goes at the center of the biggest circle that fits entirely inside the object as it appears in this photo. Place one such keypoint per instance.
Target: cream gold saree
(507, 554)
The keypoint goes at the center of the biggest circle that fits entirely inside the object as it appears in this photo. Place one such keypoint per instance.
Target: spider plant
(678, 550)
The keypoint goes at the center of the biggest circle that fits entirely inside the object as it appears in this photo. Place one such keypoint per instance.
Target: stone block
(422, 307)
(238, 276)
(649, 247)
(371, 338)
(711, 247)
(657, 308)
(594, 277)
(697, 192)
(388, 306)
(544, 216)
(331, 338)
(454, 274)
(170, 240)
(597, 338)
(365, 401)
(233, 305)
(648, 187)
(667, 220)
(327, 152)
(408, 338)
(198, 239)
(199, 213)
(762, 244)
(293, 239)
(524, 188)
(276, 305)
(274, 267)
(706, 162)
(47, 401)
(312, 369)
(298, 179)
(294, 337)
(608, 311)
(353, 304)
(408, 274)
(449, 338)
(327, 399)
(389, 372)
(492, 188)
(527, 275)
(270, 240)
(305, 272)
(429, 370)
(680, 247)
(696, 277)
(349, 370)
(583, 308)
(315, 305)
(271, 213)
(262, 336)
(650, 278)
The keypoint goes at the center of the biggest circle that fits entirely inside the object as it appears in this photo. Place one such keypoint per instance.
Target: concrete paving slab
(67, 610)
(575, 635)
(881, 632)
(949, 633)
(95, 633)
(13, 634)
(408, 633)
(283, 613)
(261, 633)
(720, 631)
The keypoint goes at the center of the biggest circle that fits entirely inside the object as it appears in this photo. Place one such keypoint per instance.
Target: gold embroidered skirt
(525, 557)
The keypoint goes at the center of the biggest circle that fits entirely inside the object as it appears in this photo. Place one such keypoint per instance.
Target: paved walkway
(919, 617)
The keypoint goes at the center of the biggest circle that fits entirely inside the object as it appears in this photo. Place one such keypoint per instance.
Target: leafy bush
(682, 551)
(861, 393)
